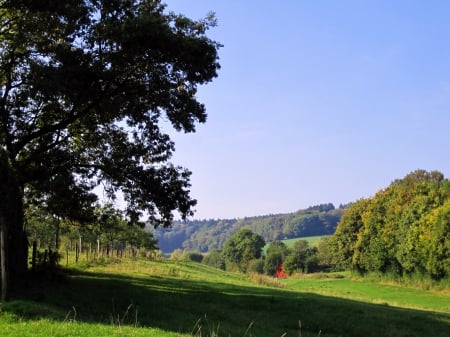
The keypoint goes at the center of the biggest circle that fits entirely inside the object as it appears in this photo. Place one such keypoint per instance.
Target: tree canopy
(243, 247)
(84, 86)
(402, 229)
(207, 235)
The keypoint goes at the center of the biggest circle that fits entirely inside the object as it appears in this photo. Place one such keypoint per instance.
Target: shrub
(177, 254)
(255, 266)
(215, 259)
(193, 256)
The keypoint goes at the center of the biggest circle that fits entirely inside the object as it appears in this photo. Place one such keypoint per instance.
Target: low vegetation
(184, 298)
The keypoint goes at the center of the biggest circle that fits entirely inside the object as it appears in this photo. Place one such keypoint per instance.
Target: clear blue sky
(317, 102)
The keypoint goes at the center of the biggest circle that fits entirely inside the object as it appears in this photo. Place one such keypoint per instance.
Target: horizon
(193, 219)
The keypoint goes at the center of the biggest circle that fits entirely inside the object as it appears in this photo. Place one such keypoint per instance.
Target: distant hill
(206, 235)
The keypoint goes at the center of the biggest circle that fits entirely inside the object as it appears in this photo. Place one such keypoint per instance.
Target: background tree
(241, 248)
(83, 86)
(206, 235)
(215, 259)
(39, 226)
(302, 258)
(342, 245)
(275, 255)
(324, 255)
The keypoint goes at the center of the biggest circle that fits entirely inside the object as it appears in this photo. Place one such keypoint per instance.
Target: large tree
(403, 229)
(84, 85)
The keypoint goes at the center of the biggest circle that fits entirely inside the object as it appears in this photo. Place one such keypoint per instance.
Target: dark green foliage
(324, 254)
(206, 235)
(241, 248)
(83, 88)
(215, 259)
(403, 229)
(256, 266)
(277, 247)
(302, 258)
(193, 256)
(275, 254)
(271, 263)
(312, 263)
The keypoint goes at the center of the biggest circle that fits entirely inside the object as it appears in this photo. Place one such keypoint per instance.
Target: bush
(193, 256)
(255, 266)
(177, 254)
(215, 259)
(271, 263)
(312, 264)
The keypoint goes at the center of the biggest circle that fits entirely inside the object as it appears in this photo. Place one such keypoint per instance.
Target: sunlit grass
(371, 292)
(180, 298)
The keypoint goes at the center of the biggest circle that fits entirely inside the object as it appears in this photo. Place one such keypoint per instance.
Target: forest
(206, 235)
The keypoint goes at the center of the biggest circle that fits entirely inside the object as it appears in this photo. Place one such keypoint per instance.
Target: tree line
(243, 252)
(206, 235)
(106, 234)
(403, 229)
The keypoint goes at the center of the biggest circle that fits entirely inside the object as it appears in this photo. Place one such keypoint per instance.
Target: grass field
(174, 298)
(312, 241)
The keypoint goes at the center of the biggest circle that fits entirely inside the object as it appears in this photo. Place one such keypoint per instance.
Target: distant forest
(206, 235)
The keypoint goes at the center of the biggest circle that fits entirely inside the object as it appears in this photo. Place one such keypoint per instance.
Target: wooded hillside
(206, 235)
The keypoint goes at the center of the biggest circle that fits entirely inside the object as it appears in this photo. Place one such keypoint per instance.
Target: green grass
(371, 292)
(175, 298)
(312, 241)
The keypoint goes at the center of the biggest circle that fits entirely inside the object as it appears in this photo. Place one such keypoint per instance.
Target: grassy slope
(167, 298)
(312, 241)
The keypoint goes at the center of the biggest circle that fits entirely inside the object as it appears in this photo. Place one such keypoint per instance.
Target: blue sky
(317, 102)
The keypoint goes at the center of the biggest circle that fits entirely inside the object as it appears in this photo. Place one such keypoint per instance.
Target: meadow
(312, 241)
(180, 298)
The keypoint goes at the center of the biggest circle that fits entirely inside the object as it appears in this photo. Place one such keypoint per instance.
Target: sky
(317, 101)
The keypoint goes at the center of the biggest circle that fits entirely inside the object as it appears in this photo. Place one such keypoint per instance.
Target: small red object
(280, 272)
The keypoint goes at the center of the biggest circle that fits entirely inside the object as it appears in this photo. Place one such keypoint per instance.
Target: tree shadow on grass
(175, 304)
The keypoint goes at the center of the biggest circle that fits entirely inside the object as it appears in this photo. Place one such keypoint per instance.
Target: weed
(119, 320)
(211, 331)
(74, 316)
(198, 329)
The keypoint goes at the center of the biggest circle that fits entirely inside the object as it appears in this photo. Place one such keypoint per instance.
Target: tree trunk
(98, 247)
(57, 236)
(33, 257)
(13, 240)
(3, 259)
